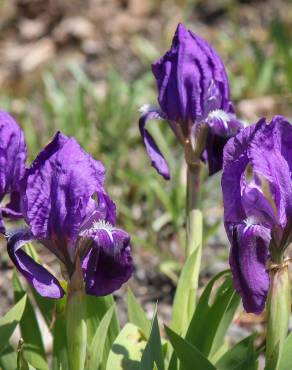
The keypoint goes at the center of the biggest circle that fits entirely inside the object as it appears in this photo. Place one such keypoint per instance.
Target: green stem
(76, 320)
(278, 312)
(194, 229)
(194, 226)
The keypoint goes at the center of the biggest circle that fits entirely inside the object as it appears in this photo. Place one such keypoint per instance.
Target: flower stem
(194, 215)
(278, 312)
(76, 320)
(194, 225)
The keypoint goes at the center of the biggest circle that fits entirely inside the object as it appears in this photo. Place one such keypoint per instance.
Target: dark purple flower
(57, 194)
(193, 90)
(257, 194)
(12, 164)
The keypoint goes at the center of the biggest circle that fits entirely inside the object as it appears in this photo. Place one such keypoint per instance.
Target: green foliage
(240, 357)
(9, 322)
(286, 358)
(136, 314)
(188, 353)
(152, 356)
(32, 349)
(213, 315)
(127, 349)
(98, 342)
(183, 305)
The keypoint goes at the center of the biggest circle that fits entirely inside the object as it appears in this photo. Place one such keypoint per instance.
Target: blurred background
(83, 67)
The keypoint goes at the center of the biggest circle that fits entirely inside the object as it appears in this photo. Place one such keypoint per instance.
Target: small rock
(38, 53)
(77, 27)
(31, 29)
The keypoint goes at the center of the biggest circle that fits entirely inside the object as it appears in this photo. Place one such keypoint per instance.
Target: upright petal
(12, 165)
(157, 159)
(248, 258)
(190, 77)
(235, 161)
(12, 154)
(269, 155)
(43, 281)
(57, 190)
(108, 263)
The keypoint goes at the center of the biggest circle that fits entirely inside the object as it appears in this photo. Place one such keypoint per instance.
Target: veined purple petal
(248, 258)
(12, 209)
(12, 165)
(256, 205)
(222, 126)
(267, 154)
(108, 263)
(12, 154)
(43, 281)
(157, 159)
(57, 190)
(103, 209)
(191, 79)
(235, 161)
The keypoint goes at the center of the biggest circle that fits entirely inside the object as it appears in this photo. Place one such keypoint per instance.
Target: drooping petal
(108, 264)
(248, 258)
(223, 124)
(266, 156)
(157, 159)
(190, 78)
(213, 153)
(43, 281)
(57, 190)
(221, 127)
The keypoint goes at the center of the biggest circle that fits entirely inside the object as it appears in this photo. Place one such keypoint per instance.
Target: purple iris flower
(193, 90)
(57, 199)
(12, 160)
(257, 193)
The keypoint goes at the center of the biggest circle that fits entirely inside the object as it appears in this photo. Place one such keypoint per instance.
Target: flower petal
(222, 126)
(12, 209)
(103, 209)
(43, 281)
(190, 78)
(57, 190)
(248, 258)
(108, 264)
(256, 205)
(12, 154)
(269, 155)
(157, 159)
(235, 160)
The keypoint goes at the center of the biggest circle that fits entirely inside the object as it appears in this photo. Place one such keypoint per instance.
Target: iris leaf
(187, 353)
(286, 358)
(184, 300)
(137, 315)
(33, 347)
(240, 357)
(127, 349)
(8, 358)
(213, 316)
(60, 354)
(152, 354)
(98, 341)
(9, 322)
(96, 309)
